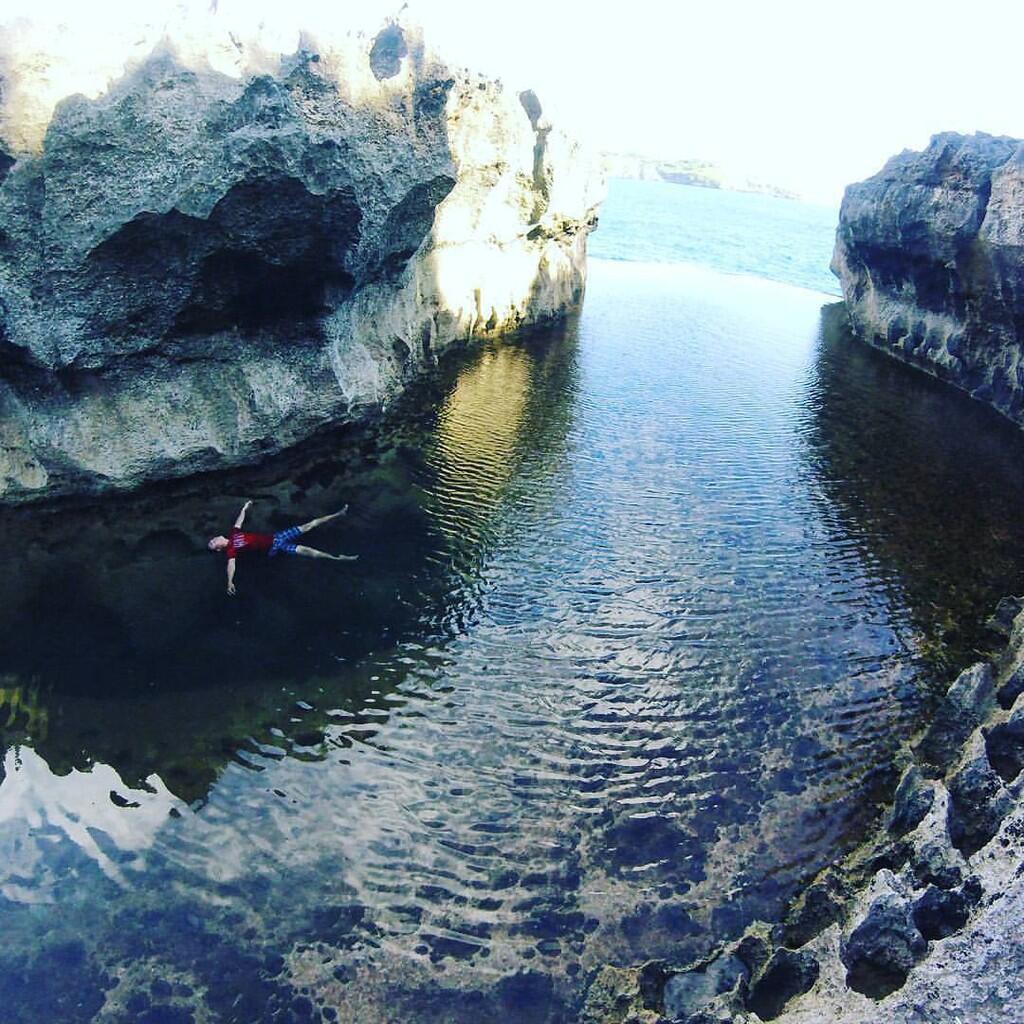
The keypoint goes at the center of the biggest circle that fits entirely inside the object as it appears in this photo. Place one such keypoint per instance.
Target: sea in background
(645, 602)
(783, 240)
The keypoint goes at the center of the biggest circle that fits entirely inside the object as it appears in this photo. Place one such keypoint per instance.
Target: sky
(806, 95)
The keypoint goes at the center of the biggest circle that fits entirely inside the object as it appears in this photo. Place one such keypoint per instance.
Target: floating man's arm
(231, 577)
(241, 515)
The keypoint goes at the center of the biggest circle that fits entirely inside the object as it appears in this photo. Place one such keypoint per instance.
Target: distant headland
(701, 173)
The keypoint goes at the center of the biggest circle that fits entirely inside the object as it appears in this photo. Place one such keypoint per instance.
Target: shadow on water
(928, 484)
(122, 647)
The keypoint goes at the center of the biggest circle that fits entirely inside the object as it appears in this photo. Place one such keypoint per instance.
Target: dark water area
(644, 604)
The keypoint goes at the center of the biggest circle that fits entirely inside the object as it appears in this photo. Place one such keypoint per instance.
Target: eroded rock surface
(937, 939)
(920, 923)
(211, 249)
(930, 254)
(882, 949)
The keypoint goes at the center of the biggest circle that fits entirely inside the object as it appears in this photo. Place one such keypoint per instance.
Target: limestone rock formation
(212, 248)
(936, 937)
(882, 949)
(921, 922)
(930, 254)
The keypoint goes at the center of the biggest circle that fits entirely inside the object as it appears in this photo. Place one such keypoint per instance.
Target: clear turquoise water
(737, 233)
(644, 604)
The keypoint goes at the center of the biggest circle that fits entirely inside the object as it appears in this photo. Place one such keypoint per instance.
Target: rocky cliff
(930, 253)
(211, 249)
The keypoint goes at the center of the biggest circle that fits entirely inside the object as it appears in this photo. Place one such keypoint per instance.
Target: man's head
(217, 543)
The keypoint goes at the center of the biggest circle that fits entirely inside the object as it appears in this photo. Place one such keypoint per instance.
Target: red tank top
(240, 542)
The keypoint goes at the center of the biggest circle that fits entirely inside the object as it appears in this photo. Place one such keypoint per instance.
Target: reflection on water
(478, 430)
(121, 647)
(927, 487)
(85, 808)
(637, 622)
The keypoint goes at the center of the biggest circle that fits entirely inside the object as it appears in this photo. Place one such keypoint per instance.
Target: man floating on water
(240, 542)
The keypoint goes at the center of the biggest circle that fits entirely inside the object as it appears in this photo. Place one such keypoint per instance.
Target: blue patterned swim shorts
(283, 539)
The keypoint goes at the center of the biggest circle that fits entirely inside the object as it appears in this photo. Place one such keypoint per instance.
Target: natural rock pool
(644, 604)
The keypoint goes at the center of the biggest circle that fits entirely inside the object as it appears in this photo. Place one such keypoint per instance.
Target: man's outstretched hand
(231, 590)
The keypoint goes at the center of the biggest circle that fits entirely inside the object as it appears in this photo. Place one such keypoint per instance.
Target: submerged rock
(821, 904)
(913, 800)
(882, 949)
(1002, 620)
(695, 991)
(787, 975)
(623, 995)
(935, 921)
(930, 254)
(968, 702)
(212, 247)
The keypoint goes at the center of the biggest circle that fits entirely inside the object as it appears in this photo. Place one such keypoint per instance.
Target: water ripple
(632, 662)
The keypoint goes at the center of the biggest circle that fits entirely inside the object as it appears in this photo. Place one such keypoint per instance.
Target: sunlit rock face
(930, 253)
(211, 247)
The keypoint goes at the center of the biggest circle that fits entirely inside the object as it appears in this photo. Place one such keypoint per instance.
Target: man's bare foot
(344, 558)
(341, 511)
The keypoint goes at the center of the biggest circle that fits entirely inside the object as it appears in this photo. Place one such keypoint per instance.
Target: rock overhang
(295, 220)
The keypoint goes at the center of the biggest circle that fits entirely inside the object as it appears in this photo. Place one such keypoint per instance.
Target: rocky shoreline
(919, 924)
(212, 248)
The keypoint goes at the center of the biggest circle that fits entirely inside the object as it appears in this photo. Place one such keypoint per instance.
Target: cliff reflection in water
(926, 482)
(625, 659)
(121, 647)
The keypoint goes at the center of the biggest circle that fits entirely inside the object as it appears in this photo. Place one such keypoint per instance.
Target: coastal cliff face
(210, 249)
(930, 254)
